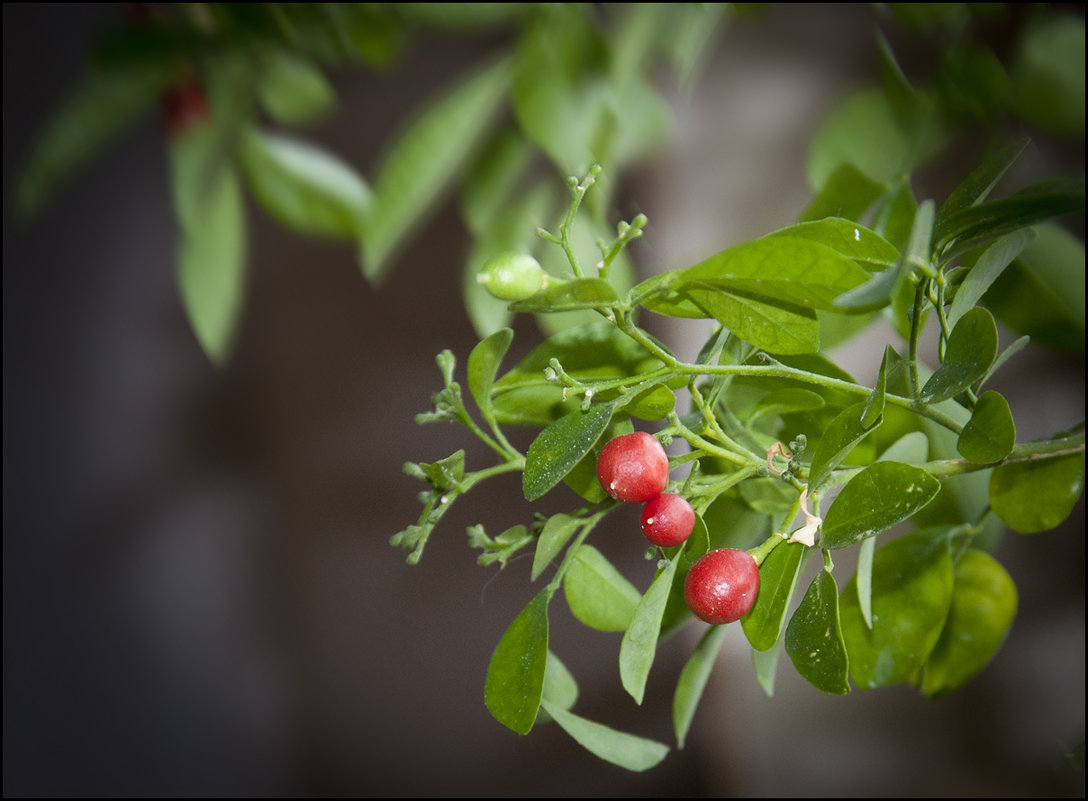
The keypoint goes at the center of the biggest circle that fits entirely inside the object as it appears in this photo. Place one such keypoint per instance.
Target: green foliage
(774, 428)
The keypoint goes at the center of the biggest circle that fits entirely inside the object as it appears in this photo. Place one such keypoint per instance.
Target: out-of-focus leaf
(847, 192)
(1038, 494)
(293, 90)
(1048, 74)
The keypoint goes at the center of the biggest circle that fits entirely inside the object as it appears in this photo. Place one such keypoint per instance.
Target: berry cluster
(722, 586)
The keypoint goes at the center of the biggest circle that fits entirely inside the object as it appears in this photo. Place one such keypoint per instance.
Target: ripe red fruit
(633, 468)
(667, 520)
(722, 586)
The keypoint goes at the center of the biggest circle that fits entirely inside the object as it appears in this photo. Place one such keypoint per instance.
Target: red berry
(722, 586)
(667, 520)
(633, 468)
(185, 107)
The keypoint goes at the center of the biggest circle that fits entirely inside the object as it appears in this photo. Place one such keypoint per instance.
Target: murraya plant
(747, 461)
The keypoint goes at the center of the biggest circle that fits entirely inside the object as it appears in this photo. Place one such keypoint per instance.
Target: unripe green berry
(512, 276)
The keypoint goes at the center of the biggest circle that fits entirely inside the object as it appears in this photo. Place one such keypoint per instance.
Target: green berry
(512, 276)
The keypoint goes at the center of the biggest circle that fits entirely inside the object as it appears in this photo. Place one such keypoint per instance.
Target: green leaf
(640, 640)
(597, 594)
(769, 495)
(1048, 73)
(515, 675)
(977, 186)
(766, 667)
(581, 293)
(847, 238)
(986, 270)
(1042, 293)
(560, 688)
(293, 90)
(593, 352)
(874, 405)
(491, 186)
(814, 640)
(1038, 494)
(483, 364)
(912, 592)
(89, 120)
(1014, 348)
(502, 547)
(211, 254)
(560, 446)
(990, 434)
(881, 495)
(864, 579)
(626, 750)
(973, 226)
(302, 186)
(787, 266)
(424, 161)
(693, 678)
(778, 577)
(971, 349)
(984, 602)
(894, 215)
(911, 448)
(652, 403)
(767, 326)
(583, 476)
(446, 474)
(555, 534)
(847, 192)
(785, 401)
(844, 433)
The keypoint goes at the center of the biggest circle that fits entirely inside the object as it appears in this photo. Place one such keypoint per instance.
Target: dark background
(199, 594)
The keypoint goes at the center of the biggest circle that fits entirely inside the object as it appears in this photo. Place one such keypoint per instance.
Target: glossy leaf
(971, 349)
(303, 186)
(598, 594)
(877, 498)
(1037, 494)
(423, 162)
(844, 433)
(211, 254)
(847, 238)
(553, 538)
(515, 675)
(814, 640)
(640, 640)
(560, 446)
(990, 434)
(692, 682)
(985, 271)
(912, 592)
(483, 364)
(652, 403)
(874, 405)
(293, 90)
(626, 750)
(977, 186)
(583, 476)
(787, 267)
(987, 221)
(984, 602)
(581, 293)
(773, 328)
(778, 577)
(847, 192)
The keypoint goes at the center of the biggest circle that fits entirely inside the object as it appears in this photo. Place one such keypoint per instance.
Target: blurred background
(199, 593)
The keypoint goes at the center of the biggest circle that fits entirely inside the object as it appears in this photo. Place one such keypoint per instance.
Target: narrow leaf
(515, 675)
(293, 90)
(976, 187)
(1014, 348)
(560, 446)
(483, 364)
(598, 595)
(874, 406)
(986, 270)
(693, 678)
(847, 192)
(814, 640)
(881, 495)
(626, 750)
(766, 667)
(640, 640)
(844, 433)
(864, 580)
(778, 577)
(560, 688)
(554, 536)
(424, 161)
